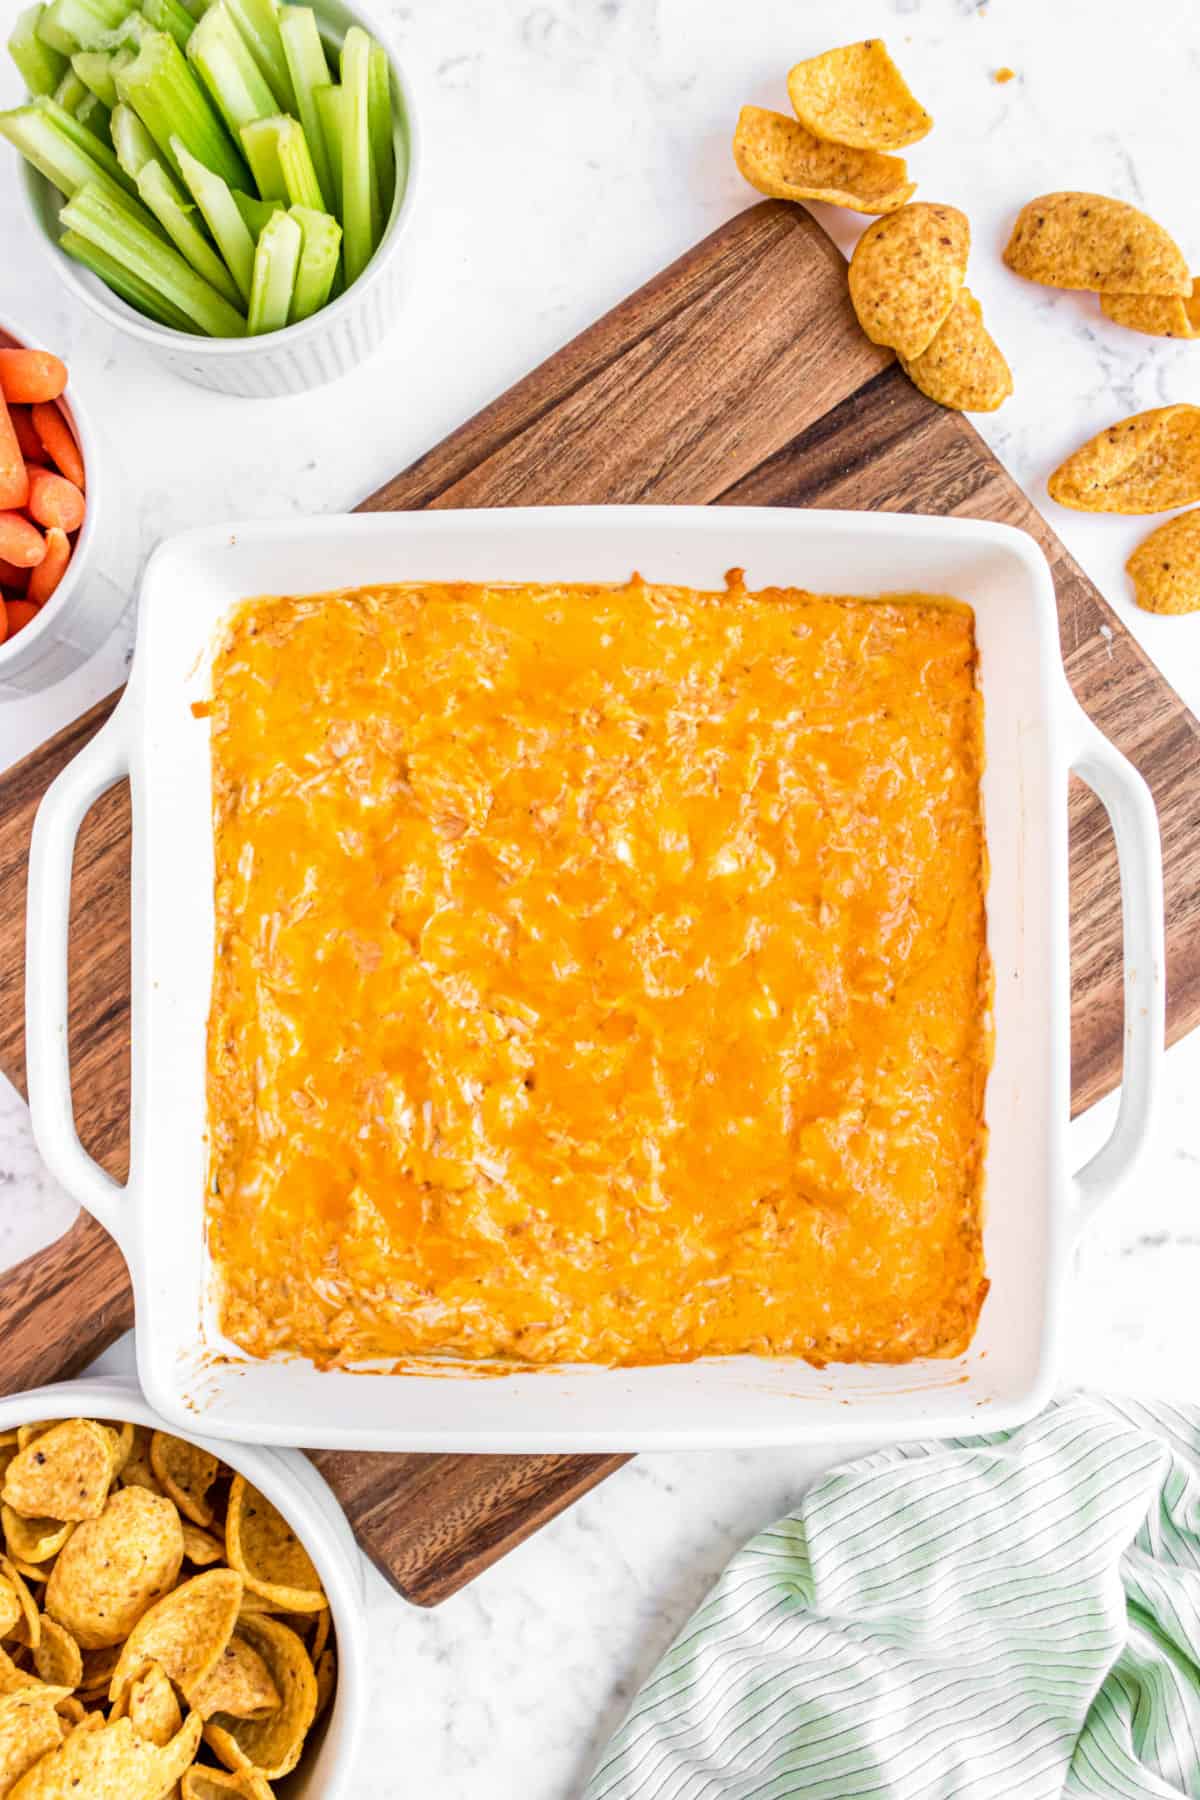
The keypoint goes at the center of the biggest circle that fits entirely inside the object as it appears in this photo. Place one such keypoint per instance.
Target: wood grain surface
(738, 376)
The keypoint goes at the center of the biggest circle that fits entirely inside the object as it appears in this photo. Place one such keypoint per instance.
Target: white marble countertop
(573, 147)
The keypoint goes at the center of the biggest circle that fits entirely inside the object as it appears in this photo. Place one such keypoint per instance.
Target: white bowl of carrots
(217, 210)
(59, 598)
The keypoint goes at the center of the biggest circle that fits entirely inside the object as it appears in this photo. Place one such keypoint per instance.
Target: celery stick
(275, 262)
(123, 40)
(309, 70)
(158, 193)
(295, 160)
(53, 154)
(95, 117)
(219, 209)
(321, 239)
(70, 91)
(94, 69)
(132, 142)
(70, 25)
(258, 23)
(124, 282)
(358, 222)
(168, 98)
(260, 144)
(41, 68)
(170, 15)
(111, 228)
(256, 212)
(331, 110)
(85, 140)
(230, 73)
(379, 121)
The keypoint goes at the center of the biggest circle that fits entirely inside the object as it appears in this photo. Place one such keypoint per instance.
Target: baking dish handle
(1130, 808)
(47, 923)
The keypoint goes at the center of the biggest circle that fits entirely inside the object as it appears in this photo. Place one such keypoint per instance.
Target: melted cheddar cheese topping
(600, 975)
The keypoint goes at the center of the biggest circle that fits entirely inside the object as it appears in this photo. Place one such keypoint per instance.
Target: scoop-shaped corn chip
(121, 1437)
(151, 1706)
(782, 158)
(219, 1784)
(72, 1710)
(240, 1685)
(320, 1636)
(261, 1544)
(1165, 567)
(35, 1429)
(98, 1666)
(13, 1678)
(326, 1671)
(62, 1474)
(185, 1631)
(857, 95)
(33, 1541)
(112, 1763)
(1146, 464)
(906, 272)
(115, 1567)
(1158, 315)
(58, 1659)
(1090, 241)
(271, 1745)
(11, 1612)
(963, 367)
(185, 1473)
(29, 1730)
(10, 1437)
(28, 1627)
(137, 1471)
(200, 1547)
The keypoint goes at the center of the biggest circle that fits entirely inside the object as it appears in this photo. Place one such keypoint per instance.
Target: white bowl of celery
(229, 182)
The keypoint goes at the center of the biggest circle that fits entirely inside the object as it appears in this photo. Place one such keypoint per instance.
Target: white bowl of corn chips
(176, 1617)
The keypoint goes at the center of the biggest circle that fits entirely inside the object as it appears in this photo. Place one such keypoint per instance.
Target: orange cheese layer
(600, 975)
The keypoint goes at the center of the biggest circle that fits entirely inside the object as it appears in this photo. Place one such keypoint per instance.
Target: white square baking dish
(1035, 736)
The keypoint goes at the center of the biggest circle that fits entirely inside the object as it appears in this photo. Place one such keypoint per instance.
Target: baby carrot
(55, 436)
(45, 578)
(20, 542)
(13, 579)
(19, 613)
(14, 480)
(29, 375)
(53, 500)
(32, 448)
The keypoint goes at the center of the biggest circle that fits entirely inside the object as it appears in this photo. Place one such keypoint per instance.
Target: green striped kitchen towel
(1017, 1615)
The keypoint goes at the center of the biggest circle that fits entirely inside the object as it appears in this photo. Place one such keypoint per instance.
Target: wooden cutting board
(738, 376)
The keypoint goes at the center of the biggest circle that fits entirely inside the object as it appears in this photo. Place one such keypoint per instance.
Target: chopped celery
(167, 97)
(256, 212)
(230, 73)
(170, 15)
(258, 23)
(159, 193)
(275, 262)
(70, 25)
(331, 110)
(40, 67)
(95, 117)
(124, 282)
(260, 145)
(359, 199)
(61, 159)
(92, 146)
(92, 214)
(321, 242)
(379, 122)
(94, 69)
(70, 91)
(219, 209)
(132, 142)
(309, 71)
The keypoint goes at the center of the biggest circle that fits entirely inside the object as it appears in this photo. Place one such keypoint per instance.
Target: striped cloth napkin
(1017, 1615)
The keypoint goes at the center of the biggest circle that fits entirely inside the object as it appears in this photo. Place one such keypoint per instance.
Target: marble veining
(573, 148)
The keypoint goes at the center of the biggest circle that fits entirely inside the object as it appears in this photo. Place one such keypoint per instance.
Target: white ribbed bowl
(98, 584)
(301, 356)
(291, 1484)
